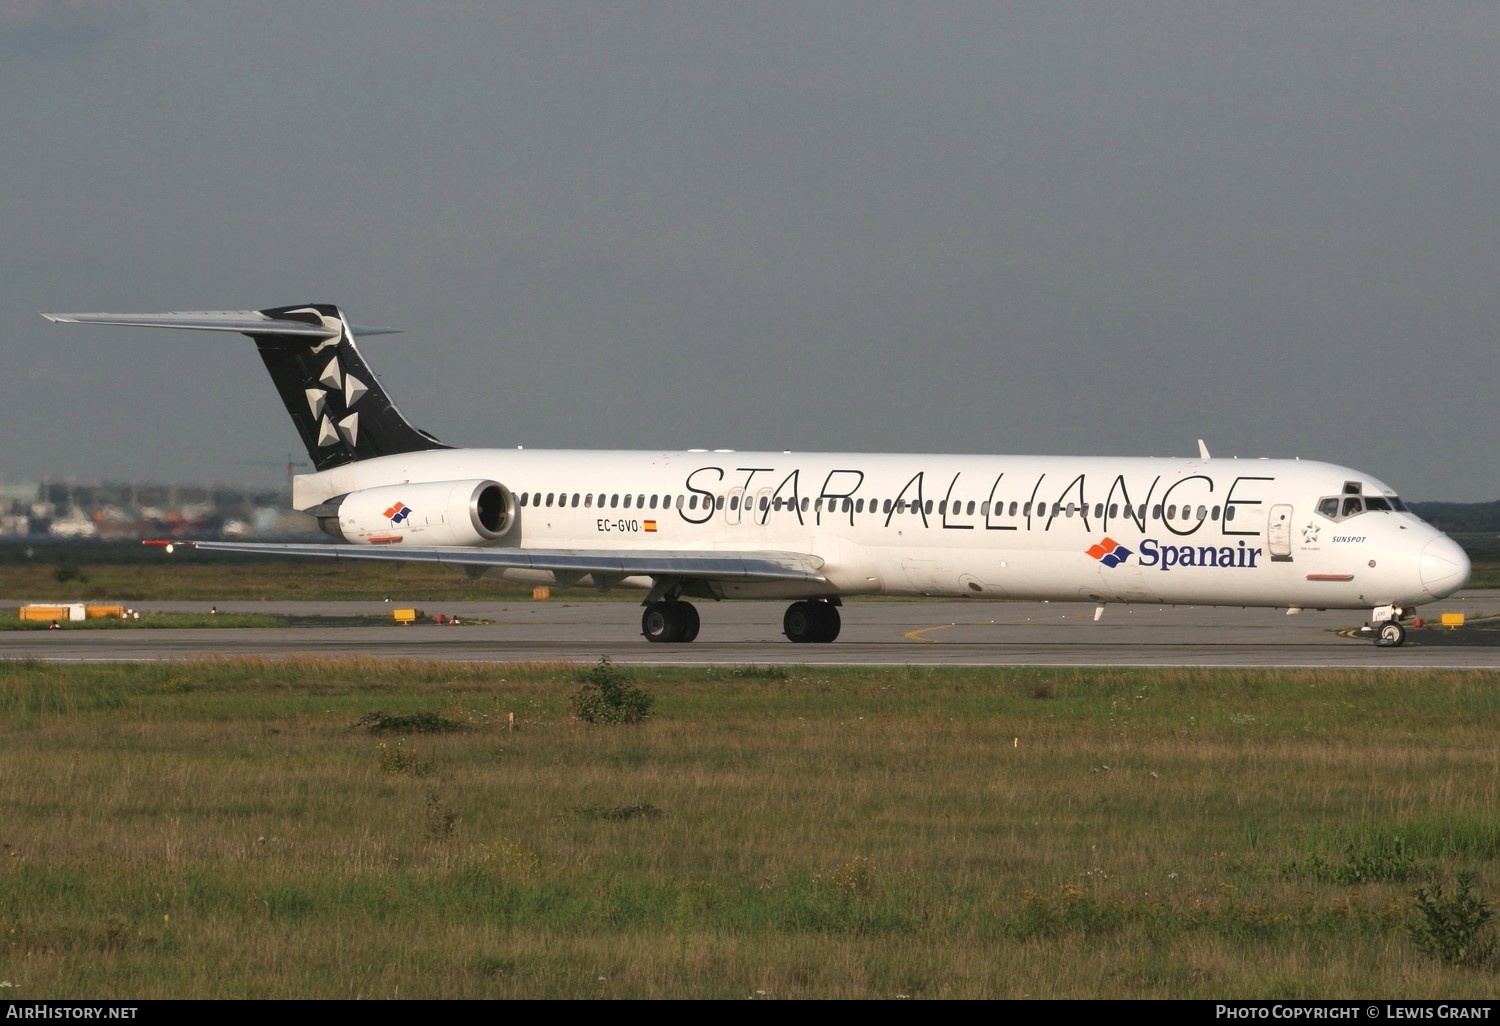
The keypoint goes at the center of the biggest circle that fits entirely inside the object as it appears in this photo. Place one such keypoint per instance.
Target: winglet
(1202, 450)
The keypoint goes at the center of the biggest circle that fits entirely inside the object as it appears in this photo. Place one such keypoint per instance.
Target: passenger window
(588, 501)
(1172, 512)
(719, 502)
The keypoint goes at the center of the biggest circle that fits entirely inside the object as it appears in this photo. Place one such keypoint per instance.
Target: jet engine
(430, 513)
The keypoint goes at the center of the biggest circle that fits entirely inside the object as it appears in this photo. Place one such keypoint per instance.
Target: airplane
(814, 528)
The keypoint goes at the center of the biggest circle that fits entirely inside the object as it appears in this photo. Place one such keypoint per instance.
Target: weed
(502, 854)
(66, 571)
(620, 813)
(397, 758)
(608, 697)
(1447, 927)
(853, 879)
(1377, 859)
(412, 723)
(439, 819)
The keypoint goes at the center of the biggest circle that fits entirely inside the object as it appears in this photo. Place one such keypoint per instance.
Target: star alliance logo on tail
(398, 512)
(1109, 552)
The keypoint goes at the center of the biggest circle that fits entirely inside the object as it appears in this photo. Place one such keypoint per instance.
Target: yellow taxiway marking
(916, 635)
(920, 632)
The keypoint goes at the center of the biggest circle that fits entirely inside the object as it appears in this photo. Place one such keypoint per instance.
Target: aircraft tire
(661, 623)
(798, 624)
(690, 623)
(1390, 634)
(829, 621)
(815, 622)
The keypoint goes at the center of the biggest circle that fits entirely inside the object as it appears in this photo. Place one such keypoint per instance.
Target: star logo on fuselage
(1310, 534)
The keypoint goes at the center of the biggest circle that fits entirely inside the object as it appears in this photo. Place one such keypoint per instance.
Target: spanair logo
(1162, 556)
(1109, 552)
(398, 512)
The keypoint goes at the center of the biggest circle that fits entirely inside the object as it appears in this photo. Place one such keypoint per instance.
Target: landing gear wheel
(660, 622)
(669, 622)
(689, 613)
(1390, 634)
(816, 622)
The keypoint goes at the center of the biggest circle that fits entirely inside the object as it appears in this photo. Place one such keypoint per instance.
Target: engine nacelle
(433, 513)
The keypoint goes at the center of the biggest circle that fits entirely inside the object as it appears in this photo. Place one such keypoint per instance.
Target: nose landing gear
(1389, 633)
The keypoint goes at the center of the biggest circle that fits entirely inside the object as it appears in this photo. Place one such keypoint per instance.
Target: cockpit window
(1352, 504)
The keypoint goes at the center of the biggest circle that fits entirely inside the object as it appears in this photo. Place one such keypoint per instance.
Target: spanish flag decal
(649, 525)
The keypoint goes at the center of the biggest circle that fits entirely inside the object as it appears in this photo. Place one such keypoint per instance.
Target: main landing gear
(815, 621)
(670, 621)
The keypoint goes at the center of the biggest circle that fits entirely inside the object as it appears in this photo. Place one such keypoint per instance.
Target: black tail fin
(339, 408)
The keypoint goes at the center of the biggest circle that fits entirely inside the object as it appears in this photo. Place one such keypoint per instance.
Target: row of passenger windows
(765, 503)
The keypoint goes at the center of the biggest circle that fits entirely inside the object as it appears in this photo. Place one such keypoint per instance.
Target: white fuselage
(1211, 531)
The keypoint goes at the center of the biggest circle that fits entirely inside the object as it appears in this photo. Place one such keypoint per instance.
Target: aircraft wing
(696, 565)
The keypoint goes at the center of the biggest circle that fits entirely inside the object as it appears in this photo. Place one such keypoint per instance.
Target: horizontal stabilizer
(249, 322)
(340, 409)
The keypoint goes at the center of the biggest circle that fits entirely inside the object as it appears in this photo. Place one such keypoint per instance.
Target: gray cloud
(55, 27)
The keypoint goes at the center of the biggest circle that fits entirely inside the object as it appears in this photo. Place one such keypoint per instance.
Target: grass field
(241, 828)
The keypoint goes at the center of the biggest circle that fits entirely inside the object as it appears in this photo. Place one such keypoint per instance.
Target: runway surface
(744, 633)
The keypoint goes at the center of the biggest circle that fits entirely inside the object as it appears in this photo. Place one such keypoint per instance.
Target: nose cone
(1444, 567)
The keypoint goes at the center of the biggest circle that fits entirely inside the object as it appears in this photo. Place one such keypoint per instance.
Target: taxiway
(744, 633)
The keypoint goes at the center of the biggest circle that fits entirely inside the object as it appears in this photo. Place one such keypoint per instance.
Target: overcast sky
(1099, 228)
